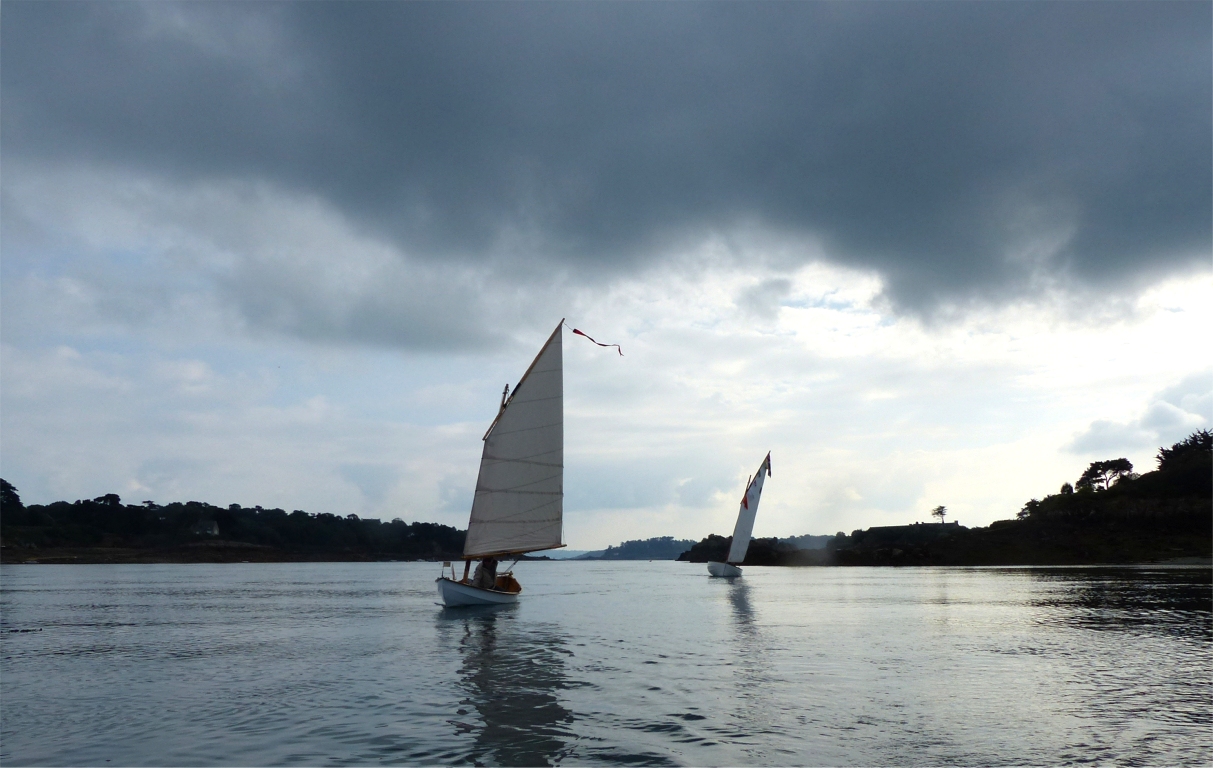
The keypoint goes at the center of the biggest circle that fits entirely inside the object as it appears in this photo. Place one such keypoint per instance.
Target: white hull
(454, 593)
(723, 569)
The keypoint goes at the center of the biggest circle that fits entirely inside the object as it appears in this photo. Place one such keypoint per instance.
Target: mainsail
(745, 515)
(520, 491)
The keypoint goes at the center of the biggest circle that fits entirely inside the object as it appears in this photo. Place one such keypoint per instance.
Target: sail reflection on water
(756, 715)
(748, 634)
(510, 674)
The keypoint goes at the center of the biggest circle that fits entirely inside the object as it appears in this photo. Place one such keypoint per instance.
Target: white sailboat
(744, 526)
(519, 502)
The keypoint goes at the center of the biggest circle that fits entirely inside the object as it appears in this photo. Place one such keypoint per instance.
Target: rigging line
(524, 461)
(527, 429)
(482, 483)
(524, 485)
(501, 475)
(524, 401)
(511, 517)
(525, 479)
(526, 525)
(524, 493)
(527, 457)
(492, 455)
(482, 491)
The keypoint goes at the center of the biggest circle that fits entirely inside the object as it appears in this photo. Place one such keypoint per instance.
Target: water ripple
(605, 664)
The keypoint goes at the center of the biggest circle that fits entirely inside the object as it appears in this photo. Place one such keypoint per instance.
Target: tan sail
(519, 501)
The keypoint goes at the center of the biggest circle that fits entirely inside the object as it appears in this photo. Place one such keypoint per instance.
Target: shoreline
(204, 552)
(240, 553)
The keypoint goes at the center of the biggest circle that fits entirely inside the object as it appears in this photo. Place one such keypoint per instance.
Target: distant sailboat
(745, 524)
(519, 500)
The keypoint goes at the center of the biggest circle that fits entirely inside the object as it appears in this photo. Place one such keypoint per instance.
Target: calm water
(627, 663)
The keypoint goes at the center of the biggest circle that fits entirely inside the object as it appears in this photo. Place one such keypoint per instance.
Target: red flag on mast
(599, 343)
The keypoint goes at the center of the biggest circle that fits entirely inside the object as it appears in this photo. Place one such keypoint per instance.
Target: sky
(287, 254)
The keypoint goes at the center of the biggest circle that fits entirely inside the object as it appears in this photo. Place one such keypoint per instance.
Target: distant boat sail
(519, 502)
(745, 524)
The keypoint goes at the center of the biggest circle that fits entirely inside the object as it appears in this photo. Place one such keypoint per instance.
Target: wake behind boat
(744, 526)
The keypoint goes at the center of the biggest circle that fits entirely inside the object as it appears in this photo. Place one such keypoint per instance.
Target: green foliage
(9, 497)
(1114, 516)
(1031, 508)
(716, 548)
(1102, 475)
(1196, 446)
(659, 548)
(105, 521)
(1185, 471)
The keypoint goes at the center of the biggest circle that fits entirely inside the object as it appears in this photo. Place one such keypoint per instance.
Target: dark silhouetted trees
(1196, 446)
(1102, 475)
(1119, 516)
(9, 498)
(761, 551)
(659, 548)
(106, 522)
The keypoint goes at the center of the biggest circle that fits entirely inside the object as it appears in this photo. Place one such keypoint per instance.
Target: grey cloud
(406, 308)
(964, 151)
(1172, 415)
(220, 257)
(1109, 436)
(372, 480)
(762, 300)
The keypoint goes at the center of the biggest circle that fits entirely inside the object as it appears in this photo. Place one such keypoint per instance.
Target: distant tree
(1102, 475)
(940, 512)
(1031, 508)
(1194, 444)
(1066, 489)
(658, 548)
(9, 496)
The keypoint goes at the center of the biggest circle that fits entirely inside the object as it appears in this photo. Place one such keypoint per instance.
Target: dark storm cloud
(962, 150)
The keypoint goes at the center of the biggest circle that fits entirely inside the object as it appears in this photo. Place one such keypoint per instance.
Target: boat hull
(724, 570)
(455, 593)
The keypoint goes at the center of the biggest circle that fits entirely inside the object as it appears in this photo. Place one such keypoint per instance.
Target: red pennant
(599, 343)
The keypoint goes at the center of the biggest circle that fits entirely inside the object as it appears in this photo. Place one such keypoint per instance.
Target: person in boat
(485, 576)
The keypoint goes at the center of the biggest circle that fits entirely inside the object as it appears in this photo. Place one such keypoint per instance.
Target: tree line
(106, 522)
(1183, 471)
(1110, 514)
(659, 548)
